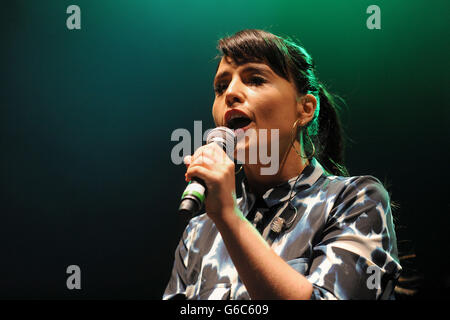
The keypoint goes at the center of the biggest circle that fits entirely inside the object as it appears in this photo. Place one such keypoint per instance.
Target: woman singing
(308, 231)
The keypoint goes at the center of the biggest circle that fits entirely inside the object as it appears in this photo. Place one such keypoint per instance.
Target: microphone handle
(196, 192)
(193, 197)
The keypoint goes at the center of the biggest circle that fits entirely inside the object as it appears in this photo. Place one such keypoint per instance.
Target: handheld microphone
(195, 192)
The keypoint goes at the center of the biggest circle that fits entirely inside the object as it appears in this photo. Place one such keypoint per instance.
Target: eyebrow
(255, 69)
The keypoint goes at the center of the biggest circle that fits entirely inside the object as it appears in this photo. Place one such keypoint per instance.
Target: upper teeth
(236, 115)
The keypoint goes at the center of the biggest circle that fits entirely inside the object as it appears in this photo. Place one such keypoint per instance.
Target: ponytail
(330, 136)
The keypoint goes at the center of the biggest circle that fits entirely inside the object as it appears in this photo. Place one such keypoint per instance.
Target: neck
(291, 166)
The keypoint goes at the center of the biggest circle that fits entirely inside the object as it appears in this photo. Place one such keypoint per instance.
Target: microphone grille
(223, 136)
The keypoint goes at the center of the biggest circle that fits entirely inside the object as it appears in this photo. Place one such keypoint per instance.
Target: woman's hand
(211, 164)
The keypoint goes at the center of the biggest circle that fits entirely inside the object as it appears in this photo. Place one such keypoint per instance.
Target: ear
(306, 107)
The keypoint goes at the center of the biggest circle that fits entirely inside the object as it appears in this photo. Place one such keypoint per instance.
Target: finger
(203, 153)
(213, 152)
(220, 154)
(203, 161)
(187, 160)
(200, 172)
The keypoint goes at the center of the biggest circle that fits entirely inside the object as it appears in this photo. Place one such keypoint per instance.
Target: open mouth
(238, 123)
(236, 119)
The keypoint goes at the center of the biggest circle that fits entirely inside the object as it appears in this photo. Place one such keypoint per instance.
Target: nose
(234, 93)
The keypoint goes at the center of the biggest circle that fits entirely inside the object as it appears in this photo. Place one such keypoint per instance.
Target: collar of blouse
(282, 192)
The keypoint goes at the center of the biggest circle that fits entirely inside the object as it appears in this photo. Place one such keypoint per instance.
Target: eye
(219, 88)
(257, 80)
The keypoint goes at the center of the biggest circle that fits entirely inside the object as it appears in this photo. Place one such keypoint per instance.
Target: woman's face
(253, 91)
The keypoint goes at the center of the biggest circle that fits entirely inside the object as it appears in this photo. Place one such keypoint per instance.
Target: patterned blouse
(336, 231)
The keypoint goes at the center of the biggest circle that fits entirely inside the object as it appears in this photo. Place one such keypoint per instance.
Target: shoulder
(352, 196)
(365, 187)
(362, 204)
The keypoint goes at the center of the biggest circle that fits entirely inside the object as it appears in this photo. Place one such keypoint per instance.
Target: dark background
(86, 176)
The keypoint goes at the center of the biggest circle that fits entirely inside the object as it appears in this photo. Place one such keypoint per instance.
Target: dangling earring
(293, 135)
(238, 170)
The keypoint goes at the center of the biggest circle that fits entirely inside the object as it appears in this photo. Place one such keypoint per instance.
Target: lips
(236, 119)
